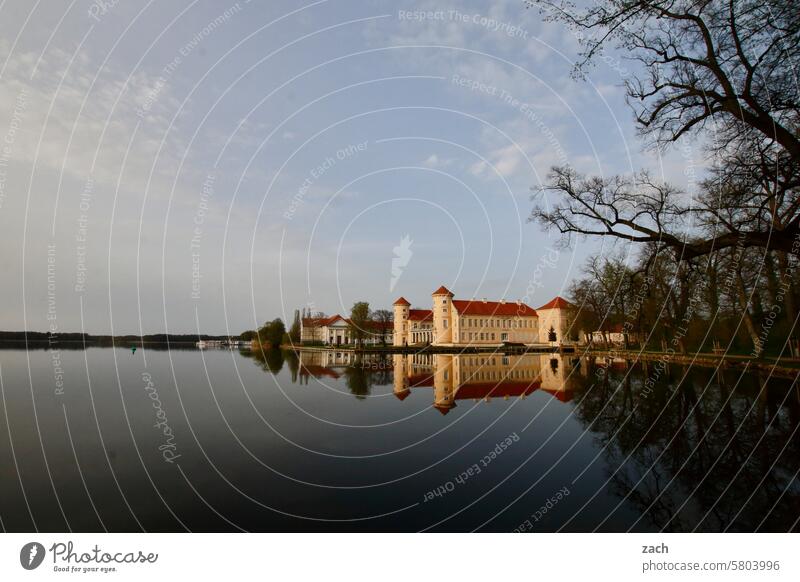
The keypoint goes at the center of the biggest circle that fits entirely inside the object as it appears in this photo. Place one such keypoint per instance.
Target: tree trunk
(748, 320)
(785, 278)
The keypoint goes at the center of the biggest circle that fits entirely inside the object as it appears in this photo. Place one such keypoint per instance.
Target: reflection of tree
(270, 360)
(358, 381)
(726, 450)
(364, 373)
(293, 362)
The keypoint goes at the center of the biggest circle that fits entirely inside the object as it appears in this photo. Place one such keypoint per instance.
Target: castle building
(338, 331)
(457, 322)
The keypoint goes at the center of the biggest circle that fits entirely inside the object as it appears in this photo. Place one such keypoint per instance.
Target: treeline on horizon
(69, 337)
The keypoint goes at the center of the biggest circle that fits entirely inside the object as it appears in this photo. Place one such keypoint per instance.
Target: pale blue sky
(434, 126)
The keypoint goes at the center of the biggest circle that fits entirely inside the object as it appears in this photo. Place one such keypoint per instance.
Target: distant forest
(79, 340)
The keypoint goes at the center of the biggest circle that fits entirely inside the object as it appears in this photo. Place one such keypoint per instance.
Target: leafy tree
(272, 333)
(294, 331)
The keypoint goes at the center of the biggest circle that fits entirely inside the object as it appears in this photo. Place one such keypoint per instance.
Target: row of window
(502, 323)
(501, 374)
(485, 336)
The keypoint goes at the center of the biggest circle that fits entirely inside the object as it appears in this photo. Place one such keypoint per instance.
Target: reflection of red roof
(556, 303)
(416, 380)
(443, 408)
(493, 308)
(420, 314)
(495, 389)
(442, 291)
(561, 395)
(403, 394)
(318, 371)
(401, 301)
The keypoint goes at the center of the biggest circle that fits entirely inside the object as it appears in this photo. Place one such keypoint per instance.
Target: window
(444, 323)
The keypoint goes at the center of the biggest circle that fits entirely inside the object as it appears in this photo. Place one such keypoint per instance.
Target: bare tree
(732, 62)
(383, 317)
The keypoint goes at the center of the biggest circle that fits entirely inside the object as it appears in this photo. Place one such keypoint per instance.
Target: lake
(103, 439)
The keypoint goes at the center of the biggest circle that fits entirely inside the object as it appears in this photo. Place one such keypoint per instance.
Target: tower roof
(443, 291)
(401, 301)
(557, 303)
(444, 408)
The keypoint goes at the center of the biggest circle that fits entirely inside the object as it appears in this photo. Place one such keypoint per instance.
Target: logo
(402, 255)
(31, 555)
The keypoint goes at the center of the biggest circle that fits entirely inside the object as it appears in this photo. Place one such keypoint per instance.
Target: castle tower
(442, 316)
(554, 321)
(401, 321)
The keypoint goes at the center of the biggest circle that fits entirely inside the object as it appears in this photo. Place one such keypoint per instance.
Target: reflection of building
(481, 377)
(323, 364)
(336, 331)
(556, 376)
(478, 322)
(333, 364)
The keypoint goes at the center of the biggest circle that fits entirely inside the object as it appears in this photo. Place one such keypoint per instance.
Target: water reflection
(333, 436)
(480, 377)
(681, 448)
(452, 377)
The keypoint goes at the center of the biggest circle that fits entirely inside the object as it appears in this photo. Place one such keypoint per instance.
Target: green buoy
(133, 350)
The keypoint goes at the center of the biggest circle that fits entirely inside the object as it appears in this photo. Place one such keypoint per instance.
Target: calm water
(103, 439)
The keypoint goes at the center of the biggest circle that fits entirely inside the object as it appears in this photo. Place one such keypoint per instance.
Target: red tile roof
(378, 325)
(493, 308)
(442, 291)
(557, 303)
(401, 301)
(420, 314)
(322, 321)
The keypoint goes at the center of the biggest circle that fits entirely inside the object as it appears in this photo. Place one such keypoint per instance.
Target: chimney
(519, 302)
(502, 301)
(484, 300)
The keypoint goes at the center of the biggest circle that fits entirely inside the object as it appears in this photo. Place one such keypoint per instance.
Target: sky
(207, 166)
